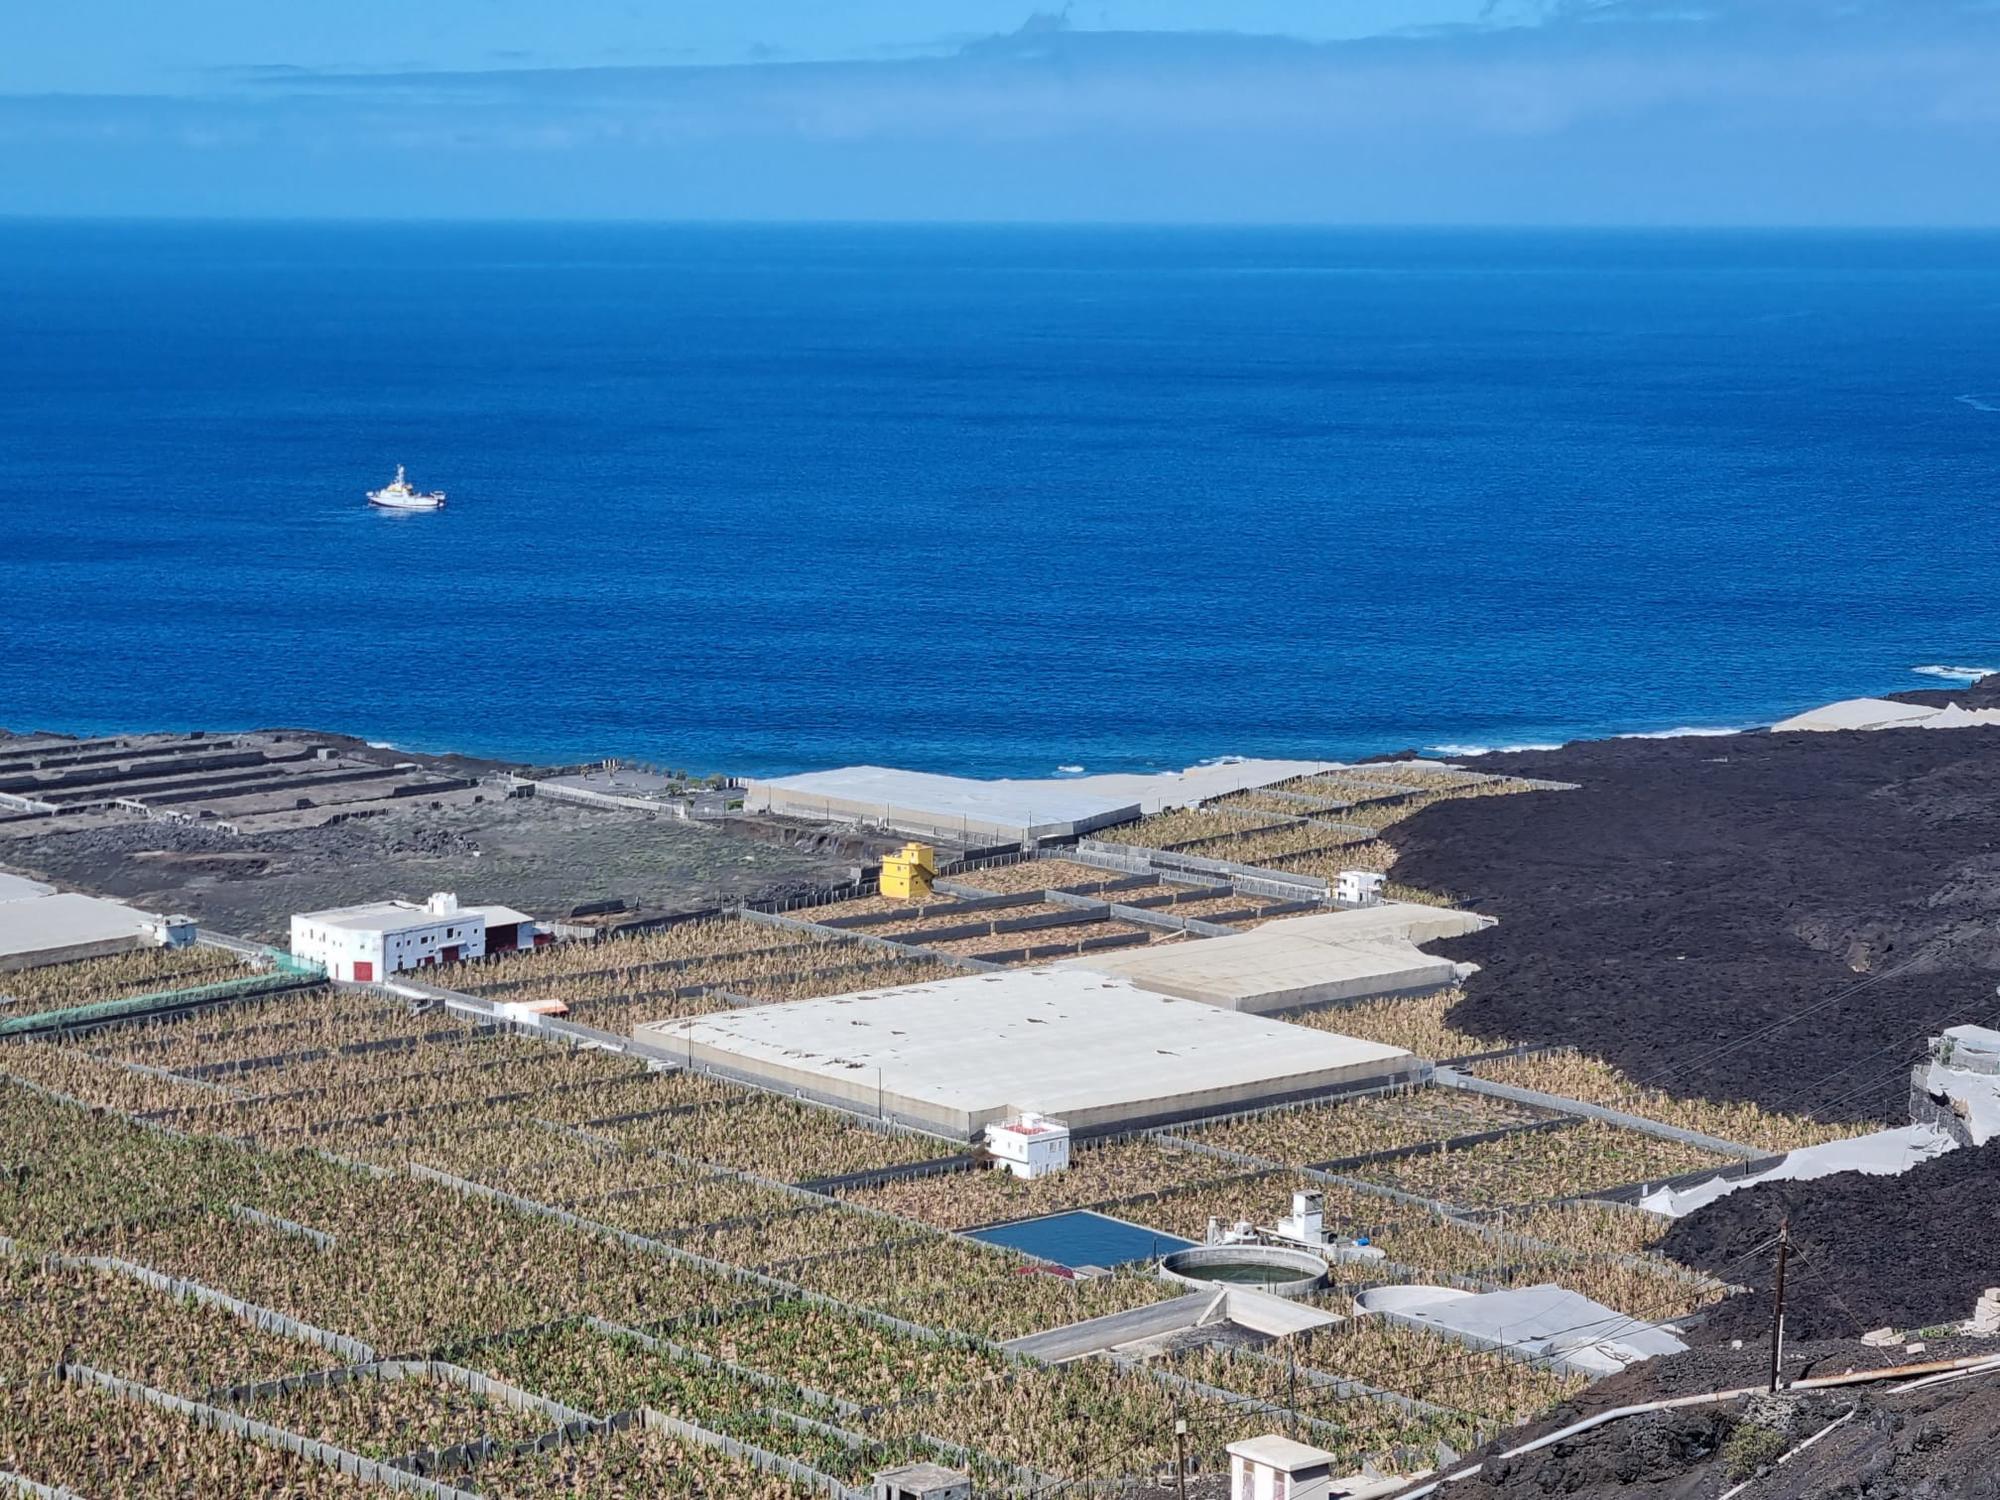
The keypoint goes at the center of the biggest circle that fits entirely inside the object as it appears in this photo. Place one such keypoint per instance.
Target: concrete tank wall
(1309, 1269)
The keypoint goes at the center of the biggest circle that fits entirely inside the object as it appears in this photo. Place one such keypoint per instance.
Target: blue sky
(99, 45)
(1648, 112)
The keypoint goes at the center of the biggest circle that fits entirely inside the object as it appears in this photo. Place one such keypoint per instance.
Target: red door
(364, 971)
(451, 953)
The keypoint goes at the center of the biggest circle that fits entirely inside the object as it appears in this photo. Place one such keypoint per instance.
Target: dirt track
(1697, 892)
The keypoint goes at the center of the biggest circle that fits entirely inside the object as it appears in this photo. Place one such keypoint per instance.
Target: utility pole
(1778, 1315)
(1180, 1455)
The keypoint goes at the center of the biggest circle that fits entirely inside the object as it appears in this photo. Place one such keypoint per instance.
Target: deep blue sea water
(986, 500)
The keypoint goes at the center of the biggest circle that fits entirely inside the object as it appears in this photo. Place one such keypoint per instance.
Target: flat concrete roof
(499, 916)
(1300, 961)
(1093, 1051)
(1010, 808)
(378, 916)
(1548, 1323)
(1281, 1452)
(1857, 713)
(394, 916)
(65, 920)
(20, 888)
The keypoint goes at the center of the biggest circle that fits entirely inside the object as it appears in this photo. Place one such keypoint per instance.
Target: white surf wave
(1956, 674)
(1685, 731)
(1483, 749)
(1070, 770)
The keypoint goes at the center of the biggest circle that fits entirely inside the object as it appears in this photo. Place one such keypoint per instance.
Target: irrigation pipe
(1976, 1364)
(1991, 1363)
(1789, 1454)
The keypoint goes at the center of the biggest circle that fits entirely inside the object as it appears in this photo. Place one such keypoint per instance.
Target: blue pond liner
(1082, 1238)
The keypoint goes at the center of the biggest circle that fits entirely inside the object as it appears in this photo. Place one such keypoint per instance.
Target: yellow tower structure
(907, 874)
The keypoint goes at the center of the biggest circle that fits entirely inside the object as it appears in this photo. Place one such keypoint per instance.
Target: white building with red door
(360, 944)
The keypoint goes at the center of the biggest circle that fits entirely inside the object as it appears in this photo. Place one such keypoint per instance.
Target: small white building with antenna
(1029, 1145)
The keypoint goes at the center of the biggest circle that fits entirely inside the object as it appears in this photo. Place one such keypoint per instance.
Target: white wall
(340, 948)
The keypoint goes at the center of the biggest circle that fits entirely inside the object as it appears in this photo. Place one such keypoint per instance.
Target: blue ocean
(987, 500)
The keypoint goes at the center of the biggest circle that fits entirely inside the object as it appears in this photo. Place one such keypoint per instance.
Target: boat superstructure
(399, 494)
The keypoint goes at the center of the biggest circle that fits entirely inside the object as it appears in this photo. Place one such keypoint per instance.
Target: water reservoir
(1264, 1268)
(1082, 1239)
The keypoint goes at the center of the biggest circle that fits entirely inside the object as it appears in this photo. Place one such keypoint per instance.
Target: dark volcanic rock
(1872, 1252)
(1705, 910)
(1665, 1457)
(1890, 1444)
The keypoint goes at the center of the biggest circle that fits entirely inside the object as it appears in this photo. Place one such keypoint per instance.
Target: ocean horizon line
(1626, 229)
(1059, 765)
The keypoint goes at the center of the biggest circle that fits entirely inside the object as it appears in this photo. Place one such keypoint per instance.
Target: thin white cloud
(1807, 110)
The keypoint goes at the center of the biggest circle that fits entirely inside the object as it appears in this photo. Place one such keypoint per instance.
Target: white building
(1278, 1468)
(1029, 1145)
(1306, 1223)
(922, 1482)
(1957, 1089)
(361, 944)
(1359, 887)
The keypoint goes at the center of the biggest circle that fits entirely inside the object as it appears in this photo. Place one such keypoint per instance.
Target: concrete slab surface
(65, 925)
(1093, 1051)
(1548, 1324)
(1294, 962)
(921, 800)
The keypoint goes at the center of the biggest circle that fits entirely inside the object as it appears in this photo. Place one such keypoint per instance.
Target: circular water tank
(1406, 1298)
(1257, 1268)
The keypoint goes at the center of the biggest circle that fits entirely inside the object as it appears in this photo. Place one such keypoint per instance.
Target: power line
(1780, 1024)
(1901, 1040)
(1831, 1290)
(1632, 1324)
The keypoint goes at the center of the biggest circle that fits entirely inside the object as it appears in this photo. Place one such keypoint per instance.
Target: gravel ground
(540, 856)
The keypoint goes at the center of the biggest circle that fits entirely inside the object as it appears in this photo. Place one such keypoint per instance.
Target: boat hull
(380, 504)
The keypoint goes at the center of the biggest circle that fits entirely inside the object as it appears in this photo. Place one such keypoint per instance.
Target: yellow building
(907, 874)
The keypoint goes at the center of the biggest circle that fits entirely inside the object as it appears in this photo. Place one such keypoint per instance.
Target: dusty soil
(1871, 1252)
(543, 857)
(1703, 911)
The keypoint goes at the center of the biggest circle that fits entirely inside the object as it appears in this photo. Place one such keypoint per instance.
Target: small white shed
(1278, 1468)
(1029, 1145)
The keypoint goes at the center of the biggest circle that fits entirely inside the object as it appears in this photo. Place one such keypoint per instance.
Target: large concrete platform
(1329, 958)
(64, 927)
(960, 808)
(1094, 1051)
